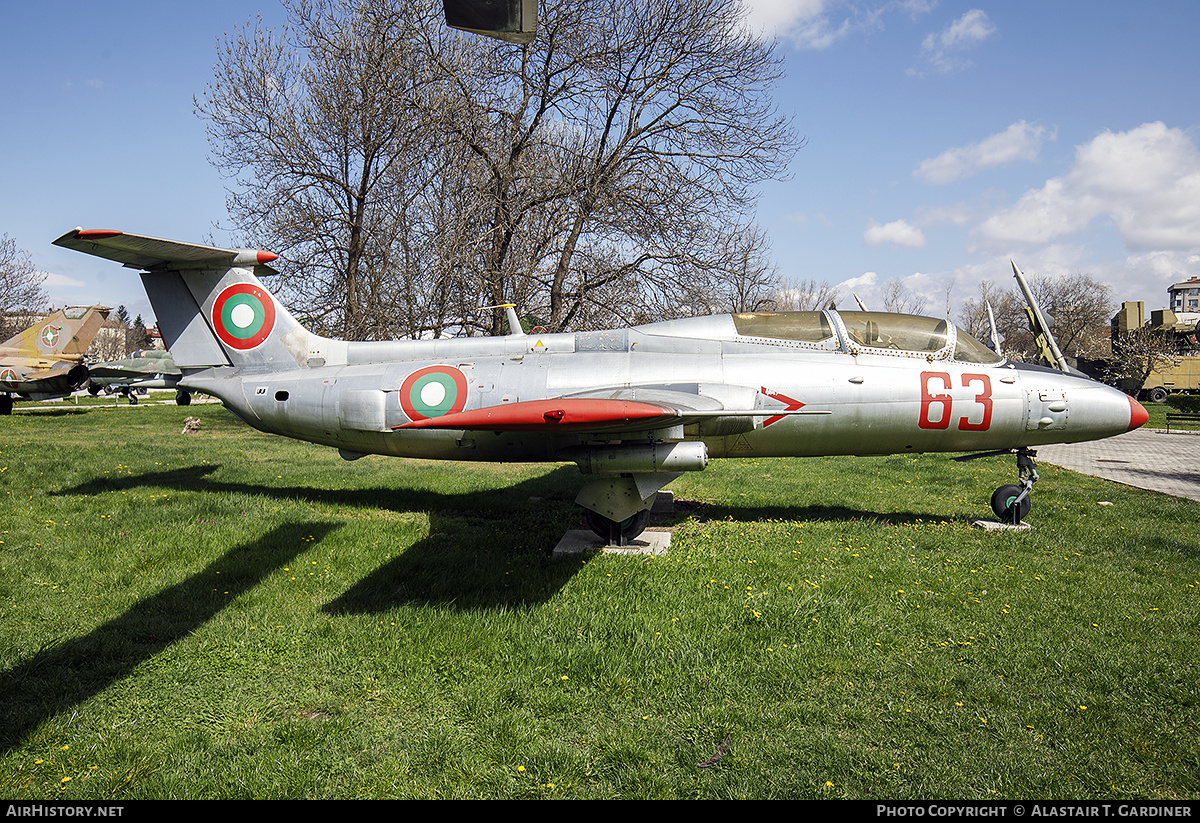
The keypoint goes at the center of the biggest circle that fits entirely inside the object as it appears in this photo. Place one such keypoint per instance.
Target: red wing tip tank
(633, 407)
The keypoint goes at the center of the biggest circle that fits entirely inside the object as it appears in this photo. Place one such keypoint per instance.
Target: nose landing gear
(1011, 503)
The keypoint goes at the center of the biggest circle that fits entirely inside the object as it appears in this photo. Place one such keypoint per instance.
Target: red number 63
(942, 402)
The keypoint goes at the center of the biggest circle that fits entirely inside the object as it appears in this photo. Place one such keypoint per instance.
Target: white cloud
(918, 292)
(818, 24)
(1129, 277)
(61, 281)
(806, 22)
(1020, 142)
(1145, 181)
(865, 281)
(972, 28)
(943, 50)
(899, 232)
(773, 15)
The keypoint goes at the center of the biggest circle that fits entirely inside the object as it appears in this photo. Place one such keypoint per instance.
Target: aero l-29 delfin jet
(635, 407)
(46, 360)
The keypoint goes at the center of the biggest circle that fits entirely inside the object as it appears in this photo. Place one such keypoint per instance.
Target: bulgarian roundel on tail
(243, 316)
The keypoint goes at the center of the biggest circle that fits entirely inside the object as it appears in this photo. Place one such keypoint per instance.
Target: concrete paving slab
(585, 541)
(997, 526)
(1154, 459)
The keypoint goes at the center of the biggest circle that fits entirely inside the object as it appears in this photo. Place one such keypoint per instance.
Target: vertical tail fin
(210, 306)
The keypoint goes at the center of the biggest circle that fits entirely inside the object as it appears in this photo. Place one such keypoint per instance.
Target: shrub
(1184, 402)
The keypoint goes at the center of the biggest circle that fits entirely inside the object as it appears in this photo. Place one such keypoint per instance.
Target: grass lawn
(227, 614)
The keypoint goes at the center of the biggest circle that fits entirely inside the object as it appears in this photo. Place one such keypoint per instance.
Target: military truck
(1183, 377)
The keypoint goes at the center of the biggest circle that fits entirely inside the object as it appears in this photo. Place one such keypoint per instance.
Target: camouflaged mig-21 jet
(46, 360)
(634, 407)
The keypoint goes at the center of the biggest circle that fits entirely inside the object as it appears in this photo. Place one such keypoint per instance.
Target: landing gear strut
(1011, 503)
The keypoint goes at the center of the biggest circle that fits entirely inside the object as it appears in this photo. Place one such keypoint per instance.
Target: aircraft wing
(594, 412)
(559, 414)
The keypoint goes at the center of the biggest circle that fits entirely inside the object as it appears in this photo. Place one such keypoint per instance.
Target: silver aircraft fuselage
(855, 400)
(636, 406)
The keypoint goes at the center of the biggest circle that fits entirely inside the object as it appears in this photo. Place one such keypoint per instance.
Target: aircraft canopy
(878, 330)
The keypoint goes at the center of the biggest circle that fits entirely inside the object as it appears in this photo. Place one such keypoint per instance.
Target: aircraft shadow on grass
(63, 675)
(484, 548)
(820, 513)
(58, 411)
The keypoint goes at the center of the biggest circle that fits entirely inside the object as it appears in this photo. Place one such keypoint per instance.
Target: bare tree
(112, 340)
(805, 295)
(21, 291)
(314, 122)
(740, 277)
(1137, 353)
(974, 314)
(413, 176)
(1078, 308)
(899, 298)
(1081, 308)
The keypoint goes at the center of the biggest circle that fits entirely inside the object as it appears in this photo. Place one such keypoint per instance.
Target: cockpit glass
(906, 332)
(969, 350)
(806, 326)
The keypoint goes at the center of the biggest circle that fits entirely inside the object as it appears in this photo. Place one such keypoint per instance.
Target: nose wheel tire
(1006, 505)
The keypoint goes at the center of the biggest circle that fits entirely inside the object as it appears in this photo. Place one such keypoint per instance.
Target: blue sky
(943, 140)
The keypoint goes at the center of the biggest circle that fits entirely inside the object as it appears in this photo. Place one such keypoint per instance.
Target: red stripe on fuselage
(549, 415)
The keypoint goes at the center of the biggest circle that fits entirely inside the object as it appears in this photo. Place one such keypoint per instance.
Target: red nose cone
(1137, 414)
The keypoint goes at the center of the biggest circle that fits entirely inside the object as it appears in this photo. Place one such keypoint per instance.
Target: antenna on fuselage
(514, 322)
(997, 338)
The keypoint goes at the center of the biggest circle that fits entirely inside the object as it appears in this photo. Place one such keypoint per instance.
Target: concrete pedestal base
(585, 541)
(997, 526)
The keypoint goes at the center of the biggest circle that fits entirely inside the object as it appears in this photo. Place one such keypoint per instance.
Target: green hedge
(1184, 402)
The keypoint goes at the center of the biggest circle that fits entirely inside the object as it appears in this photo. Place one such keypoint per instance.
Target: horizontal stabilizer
(150, 253)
